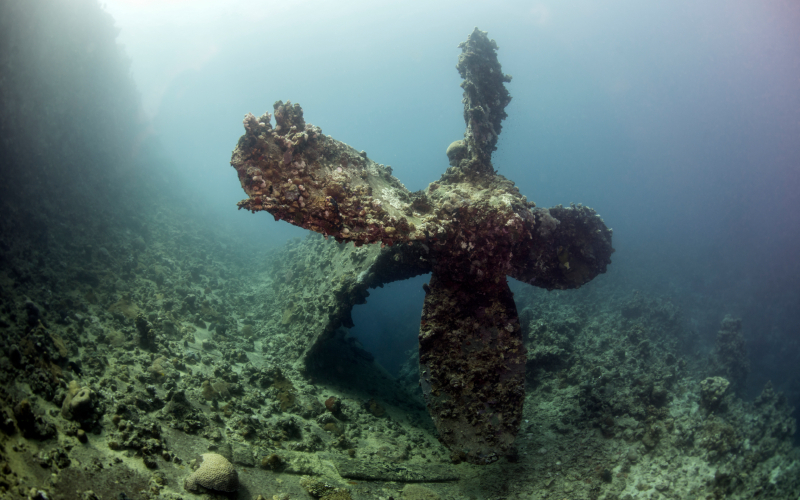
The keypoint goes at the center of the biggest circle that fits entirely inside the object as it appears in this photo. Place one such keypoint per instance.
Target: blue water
(677, 121)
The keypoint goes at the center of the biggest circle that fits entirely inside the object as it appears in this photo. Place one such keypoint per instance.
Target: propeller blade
(569, 246)
(472, 365)
(311, 180)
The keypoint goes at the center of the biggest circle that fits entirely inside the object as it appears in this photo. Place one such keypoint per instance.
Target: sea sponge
(457, 151)
(711, 391)
(215, 473)
(159, 368)
(79, 402)
(216, 390)
(82, 403)
(323, 490)
(547, 223)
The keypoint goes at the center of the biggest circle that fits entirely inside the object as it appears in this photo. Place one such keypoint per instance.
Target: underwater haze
(676, 121)
(123, 249)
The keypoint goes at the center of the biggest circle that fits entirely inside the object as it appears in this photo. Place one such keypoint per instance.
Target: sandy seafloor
(136, 337)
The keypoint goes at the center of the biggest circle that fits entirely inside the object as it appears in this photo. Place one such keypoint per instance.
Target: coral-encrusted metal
(471, 229)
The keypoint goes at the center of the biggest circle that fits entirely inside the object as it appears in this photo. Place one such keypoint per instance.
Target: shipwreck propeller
(471, 229)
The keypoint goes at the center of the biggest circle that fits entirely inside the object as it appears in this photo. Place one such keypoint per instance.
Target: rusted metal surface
(471, 229)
